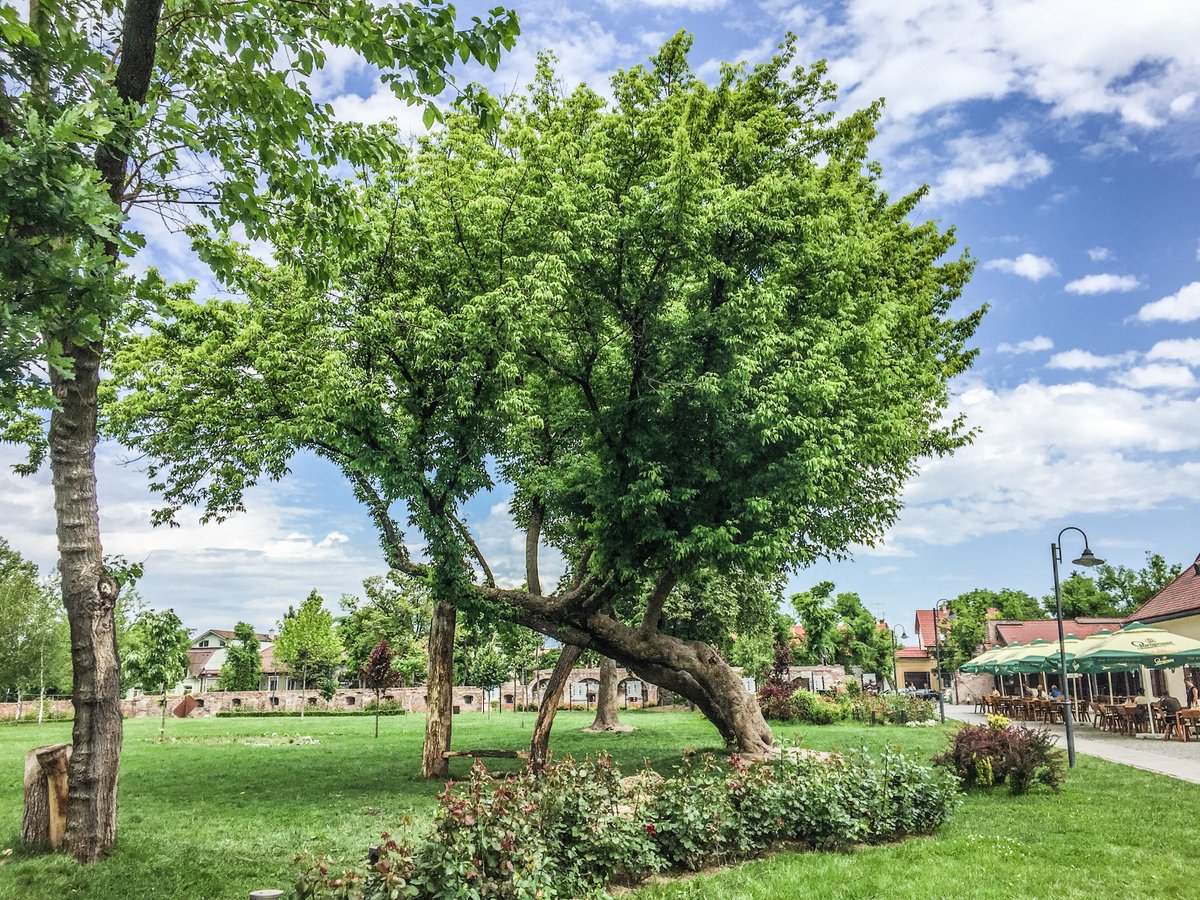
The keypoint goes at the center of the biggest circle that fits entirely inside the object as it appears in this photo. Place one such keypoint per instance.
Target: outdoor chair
(1081, 709)
(981, 705)
(1187, 721)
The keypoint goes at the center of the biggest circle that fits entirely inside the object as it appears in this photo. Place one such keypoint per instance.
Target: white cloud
(1103, 283)
(980, 165)
(1183, 103)
(689, 5)
(1035, 268)
(1098, 254)
(1082, 359)
(1047, 451)
(1032, 345)
(1182, 306)
(1135, 62)
(248, 567)
(1186, 350)
(1158, 375)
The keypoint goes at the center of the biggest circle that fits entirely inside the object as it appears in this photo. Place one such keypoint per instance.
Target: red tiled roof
(228, 635)
(924, 625)
(197, 659)
(1179, 598)
(269, 665)
(1011, 631)
(912, 653)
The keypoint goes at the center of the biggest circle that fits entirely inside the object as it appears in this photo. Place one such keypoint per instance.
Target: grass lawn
(226, 804)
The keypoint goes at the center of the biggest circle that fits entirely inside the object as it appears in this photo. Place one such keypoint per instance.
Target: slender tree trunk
(162, 723)
(606, 701)
(440, 692)
(377, 712)
(41, 682)
(539, 744)
(303, 693)
(20, 706)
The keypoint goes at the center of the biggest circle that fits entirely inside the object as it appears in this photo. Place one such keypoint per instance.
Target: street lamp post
(1086, 558)
(937, 650)
(903, 637)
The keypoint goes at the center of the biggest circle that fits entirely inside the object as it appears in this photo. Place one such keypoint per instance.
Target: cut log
(486, 754)
(45, 819)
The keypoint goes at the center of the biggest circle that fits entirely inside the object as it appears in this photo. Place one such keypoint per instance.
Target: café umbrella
(1139, 646)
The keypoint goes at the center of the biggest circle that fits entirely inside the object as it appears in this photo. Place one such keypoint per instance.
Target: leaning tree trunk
(440, 692)
(692, 669)
(606, 700)
(539, 744)
(89, 594)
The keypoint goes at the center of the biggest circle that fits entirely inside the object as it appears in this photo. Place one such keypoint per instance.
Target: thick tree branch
(465, 534)
(533, 533)
(657, 599)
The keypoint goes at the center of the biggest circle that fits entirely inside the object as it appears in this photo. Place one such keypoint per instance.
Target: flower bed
(579, 827)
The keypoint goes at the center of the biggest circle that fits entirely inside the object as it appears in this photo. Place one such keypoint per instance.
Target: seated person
(1055, 693)
(1170, 707)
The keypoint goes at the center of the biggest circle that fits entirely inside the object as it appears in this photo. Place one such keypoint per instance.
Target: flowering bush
(891, 709)
(989, 755)
(579, 827)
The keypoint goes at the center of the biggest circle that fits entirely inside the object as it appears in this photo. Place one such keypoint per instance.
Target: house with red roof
(1176, 608)
(207, 655)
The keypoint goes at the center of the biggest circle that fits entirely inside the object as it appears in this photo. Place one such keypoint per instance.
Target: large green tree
(964, 632)
(688, 326)
(397, 608)
(308, 644)
(178, 106)
(242, 669)
(156, 655)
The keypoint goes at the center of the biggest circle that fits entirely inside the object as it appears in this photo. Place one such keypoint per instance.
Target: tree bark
(440, 692)
(162, 723)
(45, 818)
(539, 745)
(89, 592)
(606, 700)
(692, 669)
(89, 595)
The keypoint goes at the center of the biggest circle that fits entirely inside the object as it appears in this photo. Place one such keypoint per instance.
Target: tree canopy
(242, 669)
(688, 328)
(308, 644)
(156, 657)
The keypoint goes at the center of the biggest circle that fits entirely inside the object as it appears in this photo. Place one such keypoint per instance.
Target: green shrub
(890, 709)
(580, 828)
(385, 709)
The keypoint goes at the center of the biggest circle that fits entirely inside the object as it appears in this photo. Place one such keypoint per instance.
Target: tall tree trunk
(539, 745)
(162, 722)
(89, 595)
(376, 712)
(303, 693)
(440, 692)
(89, 592)
(606, 701)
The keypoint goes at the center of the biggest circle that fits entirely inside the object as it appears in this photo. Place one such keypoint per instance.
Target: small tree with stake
(157, 655)
(379, 675)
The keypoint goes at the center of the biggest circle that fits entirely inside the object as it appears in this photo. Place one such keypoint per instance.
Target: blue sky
(1059, 138)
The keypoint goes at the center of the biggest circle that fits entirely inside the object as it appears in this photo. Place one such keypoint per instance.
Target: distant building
(1176, 608)
(207, 655)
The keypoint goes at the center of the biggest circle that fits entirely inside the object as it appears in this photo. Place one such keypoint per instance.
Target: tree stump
(45, 819)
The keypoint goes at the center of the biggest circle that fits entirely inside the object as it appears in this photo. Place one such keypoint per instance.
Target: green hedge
(368, 710)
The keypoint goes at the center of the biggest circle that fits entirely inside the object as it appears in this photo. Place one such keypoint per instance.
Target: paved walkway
(1174, 758)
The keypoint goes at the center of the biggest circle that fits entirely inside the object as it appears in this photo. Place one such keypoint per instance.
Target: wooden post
(45, 819)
